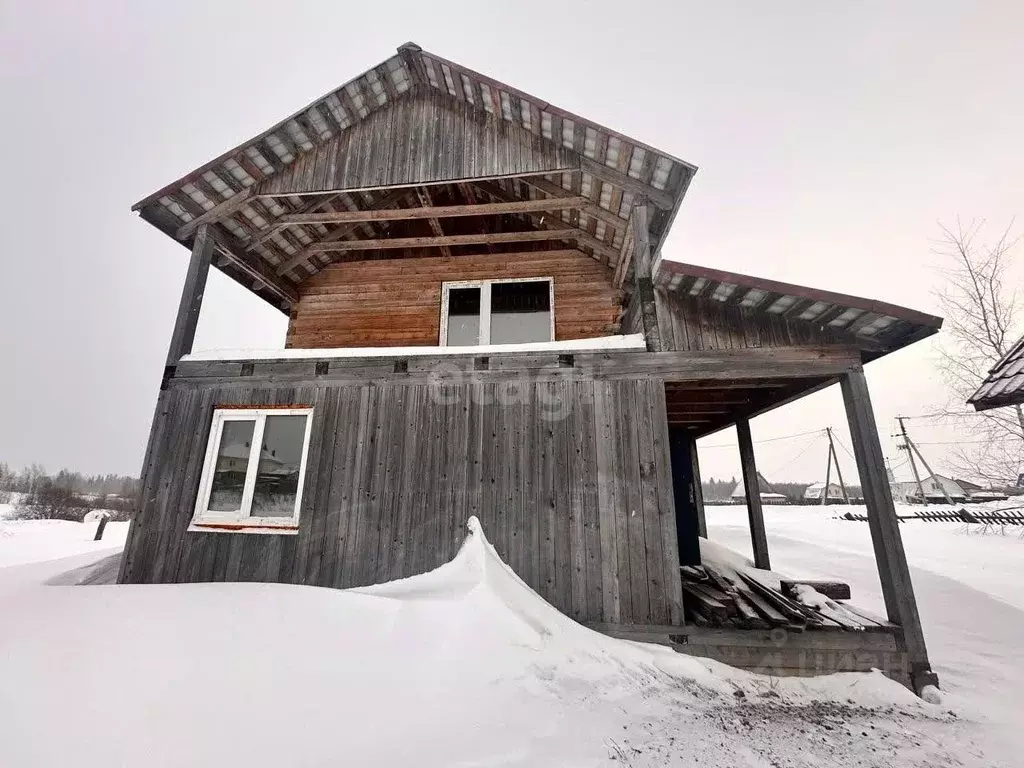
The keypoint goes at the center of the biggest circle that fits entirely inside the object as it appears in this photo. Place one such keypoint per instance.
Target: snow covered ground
(968, 585)
(465, 666)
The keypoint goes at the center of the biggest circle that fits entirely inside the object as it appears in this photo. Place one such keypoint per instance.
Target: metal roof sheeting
(878, 327)
(1004, 384)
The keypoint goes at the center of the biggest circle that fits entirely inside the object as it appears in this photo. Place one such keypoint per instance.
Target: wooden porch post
(182, 336)
(893, 571)
(191, 296)
(643, 264)
(755, 514)
(698, 491)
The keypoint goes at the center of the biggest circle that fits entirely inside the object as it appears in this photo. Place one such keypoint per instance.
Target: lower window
(254, 470)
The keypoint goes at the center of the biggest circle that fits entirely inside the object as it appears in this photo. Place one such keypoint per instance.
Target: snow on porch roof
(880, 327)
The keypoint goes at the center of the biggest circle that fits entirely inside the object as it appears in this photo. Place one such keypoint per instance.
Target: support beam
(758, 537)
(893, 570)
(580, 236)
(303, 256)
(657, 196)
(191, 302)
(625, 256)
(253, 267)
(698, 491)
(432, 212)
(642, 264)
(445, 240)
(559, 193)
(435, 226)
(268, 231)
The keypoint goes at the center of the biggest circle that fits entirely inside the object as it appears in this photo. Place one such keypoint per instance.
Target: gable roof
(243, 194)
(1004, 384)
(878, 327)
(763, 486)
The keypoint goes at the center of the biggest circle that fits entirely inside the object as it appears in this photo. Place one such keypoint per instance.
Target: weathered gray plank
(755, 514)
(890, 557)
(546, 508)
(574, 427)
(353, 493)
(591, 511)
(562, 519)
(630, 458)
(607, 502)
(666, 502)
(657, 572)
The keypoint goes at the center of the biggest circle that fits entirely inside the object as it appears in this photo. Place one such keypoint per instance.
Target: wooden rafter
(435, 226)
(255, 269)
(587, 207)
(338, 233)
(581, 236)
(215, 214)
(267, 232)
(447, 240)
(432, 212)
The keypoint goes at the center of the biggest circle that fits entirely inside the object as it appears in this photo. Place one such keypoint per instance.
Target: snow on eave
(630, 342)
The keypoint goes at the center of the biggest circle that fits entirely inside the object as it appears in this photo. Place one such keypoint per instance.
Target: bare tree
(981, 324)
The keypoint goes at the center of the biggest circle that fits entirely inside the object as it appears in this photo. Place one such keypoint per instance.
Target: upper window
(497, 312)
(254, 469)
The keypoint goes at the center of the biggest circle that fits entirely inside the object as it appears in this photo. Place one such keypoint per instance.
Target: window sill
(289, 529)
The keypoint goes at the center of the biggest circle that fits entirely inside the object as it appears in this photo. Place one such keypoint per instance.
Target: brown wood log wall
(570, 479)
(689, 324)
(397, 302)
(423, 137)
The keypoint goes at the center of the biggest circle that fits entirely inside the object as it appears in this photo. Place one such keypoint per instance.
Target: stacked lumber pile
(743, 600)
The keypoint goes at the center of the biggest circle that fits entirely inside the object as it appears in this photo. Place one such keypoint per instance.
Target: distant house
(1004, 384)
(815, 491)
(909, 493)
(768, 494)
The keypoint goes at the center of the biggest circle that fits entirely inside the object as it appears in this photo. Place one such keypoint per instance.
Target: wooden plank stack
(743, 600)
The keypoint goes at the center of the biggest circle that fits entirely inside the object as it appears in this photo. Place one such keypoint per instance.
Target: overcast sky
(831, 139)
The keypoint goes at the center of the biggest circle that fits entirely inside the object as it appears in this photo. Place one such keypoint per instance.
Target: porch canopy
(420, 152)
(701, 309)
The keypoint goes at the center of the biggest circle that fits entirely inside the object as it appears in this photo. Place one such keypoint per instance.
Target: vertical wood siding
(689, 324)
(422, 138)
(397, 302)
(569, 479)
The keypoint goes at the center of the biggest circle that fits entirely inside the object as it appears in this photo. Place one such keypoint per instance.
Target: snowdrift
(461, 666)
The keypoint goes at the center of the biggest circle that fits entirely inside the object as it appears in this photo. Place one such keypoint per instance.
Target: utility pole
(911, 449)
(839, 472)
(828, 471)
(910, 455)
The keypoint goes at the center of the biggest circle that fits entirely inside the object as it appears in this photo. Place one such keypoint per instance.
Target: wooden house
(765, 492)
(481, 323)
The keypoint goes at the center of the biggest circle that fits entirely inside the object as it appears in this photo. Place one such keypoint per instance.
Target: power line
(770, 439)
(800, 453)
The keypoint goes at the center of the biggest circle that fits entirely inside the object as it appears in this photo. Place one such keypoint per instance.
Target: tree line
(37, 495)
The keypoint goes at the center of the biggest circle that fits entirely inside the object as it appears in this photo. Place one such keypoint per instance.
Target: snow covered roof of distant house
(1004, 384)
(763, 486)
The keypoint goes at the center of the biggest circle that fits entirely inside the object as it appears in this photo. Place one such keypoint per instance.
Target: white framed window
(254, 470)
(513, 311)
